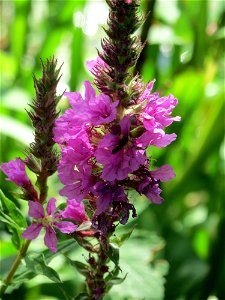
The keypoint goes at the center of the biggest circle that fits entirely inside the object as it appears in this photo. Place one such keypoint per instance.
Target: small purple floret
(15, 170)
(49, 221)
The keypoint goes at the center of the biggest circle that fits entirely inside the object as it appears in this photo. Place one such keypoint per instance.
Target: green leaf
(6, 219)
(37, 264)
(143, 281)
(81, 267)
(113, 253)
(82, 296)
(13, 228)
(119, 239)
(117, 280)
(113, 274)
(14, 219)
(24, 274)
(10, 209)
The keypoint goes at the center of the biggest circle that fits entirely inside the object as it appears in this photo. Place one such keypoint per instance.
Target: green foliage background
(178, 249)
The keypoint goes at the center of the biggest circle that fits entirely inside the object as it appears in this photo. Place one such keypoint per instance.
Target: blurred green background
(177, 251)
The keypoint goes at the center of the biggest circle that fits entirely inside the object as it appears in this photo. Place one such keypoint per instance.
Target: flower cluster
(104, 145)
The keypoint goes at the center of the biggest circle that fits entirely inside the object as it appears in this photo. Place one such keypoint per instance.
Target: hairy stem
(15, 265)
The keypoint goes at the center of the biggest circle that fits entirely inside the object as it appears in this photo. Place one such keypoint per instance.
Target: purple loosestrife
(51, 221)
(107, 155)
(104, 137)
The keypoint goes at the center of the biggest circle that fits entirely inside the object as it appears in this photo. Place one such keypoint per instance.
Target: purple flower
(145, 95)
(107, 193)
(92, 109)
(69, 126)
(155, 116)
(118, 153)
(159, 110)
(78, 183)
(149, 185)
(150, 188)
(111, 195)
(15, 170)
(74, 211)
(156, 138)
(49, 221)
(77, 152)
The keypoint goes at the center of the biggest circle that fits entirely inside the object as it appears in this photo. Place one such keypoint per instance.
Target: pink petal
(32, 231)
(91, 64)
(73, 97)
(74, 211)
(36, 210)
(165, 140)
(156, 199)
(89, 91)
(65, 227)
(148, 138)
(50, 239)
(164, 173)
(51, 206)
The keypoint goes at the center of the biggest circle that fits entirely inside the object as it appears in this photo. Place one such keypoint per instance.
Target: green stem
(15, 265)
(95, 281)
(43, 187)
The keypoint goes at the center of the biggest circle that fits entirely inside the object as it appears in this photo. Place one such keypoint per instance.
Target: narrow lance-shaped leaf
(113, 253)
(37, 264)
(12, 210)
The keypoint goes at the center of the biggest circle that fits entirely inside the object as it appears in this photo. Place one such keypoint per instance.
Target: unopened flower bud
(32, 163)
(138, 131)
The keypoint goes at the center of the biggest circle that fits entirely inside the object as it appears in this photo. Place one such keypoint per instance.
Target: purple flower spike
(49, 221)
(15, 170)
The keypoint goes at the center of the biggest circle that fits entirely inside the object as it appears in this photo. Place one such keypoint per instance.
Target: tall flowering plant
(103, 138)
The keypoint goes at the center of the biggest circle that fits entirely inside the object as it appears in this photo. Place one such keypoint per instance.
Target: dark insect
(122, 143)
